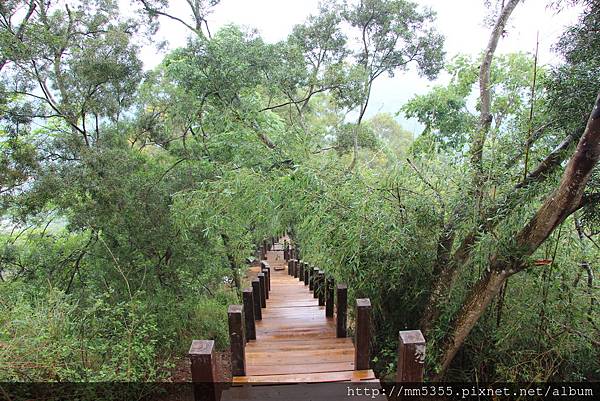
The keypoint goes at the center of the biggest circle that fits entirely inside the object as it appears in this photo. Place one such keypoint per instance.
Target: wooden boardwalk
(285, 346)
(295, 341)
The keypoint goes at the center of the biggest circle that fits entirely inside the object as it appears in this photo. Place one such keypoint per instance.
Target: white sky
(459, 20)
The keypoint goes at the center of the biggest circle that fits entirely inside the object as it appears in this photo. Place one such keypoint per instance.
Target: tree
(200, 9)
(485, 117)
(392, 34)
(567, 198)
(445, 270)
(323, 44)
(389, 131)
(75, 64)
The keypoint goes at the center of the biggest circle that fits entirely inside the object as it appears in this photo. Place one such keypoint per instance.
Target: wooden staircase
(295, 341)
(289, 340)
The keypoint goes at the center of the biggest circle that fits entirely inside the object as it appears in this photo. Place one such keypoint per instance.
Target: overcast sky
(461, 21)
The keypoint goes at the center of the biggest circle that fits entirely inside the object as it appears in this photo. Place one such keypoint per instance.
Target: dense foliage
(131, 200)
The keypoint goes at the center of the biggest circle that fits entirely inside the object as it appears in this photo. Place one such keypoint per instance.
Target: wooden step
(326, 377)
(299, 344)
(258, 370)
(267, 358)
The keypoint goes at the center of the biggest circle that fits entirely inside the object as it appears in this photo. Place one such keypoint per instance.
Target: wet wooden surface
(295, 341)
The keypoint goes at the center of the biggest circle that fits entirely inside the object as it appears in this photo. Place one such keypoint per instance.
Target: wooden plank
(298, 304)
(290, 345)
(326, 377)
(299, 315)
(285, 335)
(269, 358)
(285, 310)
(259, 370)
(295, 341)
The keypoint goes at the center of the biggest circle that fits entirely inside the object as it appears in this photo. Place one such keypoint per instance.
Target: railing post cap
(342, 286)
(255, 280)
(201, 347)
(235, 309)
(261, 274)
(247, 290)
(411, 337)
(363, 302)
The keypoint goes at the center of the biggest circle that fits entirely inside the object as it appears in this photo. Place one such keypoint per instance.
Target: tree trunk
(441, 270)
(473, 307)
(446, 269)
(558, 205)
(485, 117)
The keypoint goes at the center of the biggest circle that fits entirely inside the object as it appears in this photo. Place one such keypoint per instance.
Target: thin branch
(154, 11)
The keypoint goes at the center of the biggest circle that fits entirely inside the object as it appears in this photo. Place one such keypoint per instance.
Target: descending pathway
(298, 351)
(295, 341)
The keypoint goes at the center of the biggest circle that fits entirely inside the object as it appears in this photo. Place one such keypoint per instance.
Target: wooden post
(321, 288)
(263, 290)
(237, 340)
(256, 298)
(249, 314)
(267, 270)
(311, 278)
(204, 373)
(269, 277)
(300, 267)
(295, 270)
(362, 342)
(306, 273)
(266, 273)
(290, 262)
(315, 281)
(341, 310)
(329, 298)
(411, 356)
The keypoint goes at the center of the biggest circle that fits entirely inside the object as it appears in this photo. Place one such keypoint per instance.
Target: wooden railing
(242, 326)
